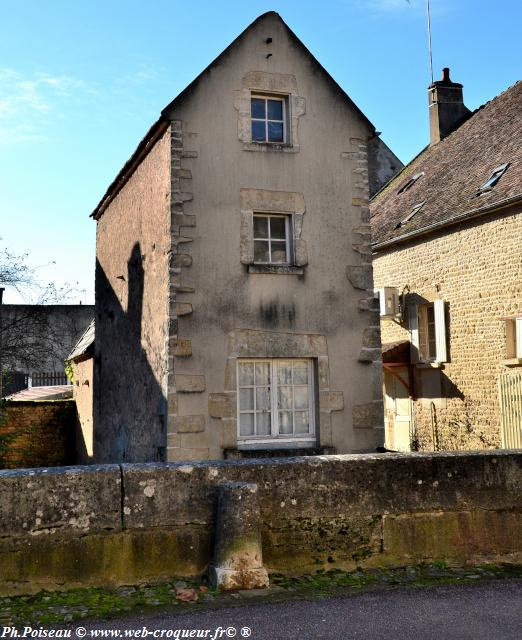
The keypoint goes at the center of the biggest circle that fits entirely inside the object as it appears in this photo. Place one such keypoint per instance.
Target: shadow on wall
(130, 408)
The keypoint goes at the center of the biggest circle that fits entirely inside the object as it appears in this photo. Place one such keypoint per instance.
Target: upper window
(268, 119)
(410, 182)
(275, 400)
(272, 238)
(428, 332)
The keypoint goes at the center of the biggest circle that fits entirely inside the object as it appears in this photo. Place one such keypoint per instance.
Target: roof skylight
(410, 215)
(494, 178)
(410, 182)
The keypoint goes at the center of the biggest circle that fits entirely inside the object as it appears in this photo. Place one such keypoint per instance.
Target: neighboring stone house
(81, 363)
(234, 304)
(447, 241)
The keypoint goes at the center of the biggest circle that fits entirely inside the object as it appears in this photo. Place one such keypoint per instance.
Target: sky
(82, 81)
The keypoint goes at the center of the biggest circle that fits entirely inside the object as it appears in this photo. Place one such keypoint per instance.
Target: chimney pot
(446, 74)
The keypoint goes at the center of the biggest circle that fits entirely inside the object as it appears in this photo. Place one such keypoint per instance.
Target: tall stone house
(234, 301)
(447, 248)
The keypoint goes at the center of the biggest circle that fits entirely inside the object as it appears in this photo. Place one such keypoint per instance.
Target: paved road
(486, 611)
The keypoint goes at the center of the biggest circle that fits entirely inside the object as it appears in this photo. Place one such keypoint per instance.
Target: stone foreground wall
(36, 433)
(127, 524)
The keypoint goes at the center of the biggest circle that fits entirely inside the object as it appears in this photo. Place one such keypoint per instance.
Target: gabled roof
(158, 128)
(451, 174)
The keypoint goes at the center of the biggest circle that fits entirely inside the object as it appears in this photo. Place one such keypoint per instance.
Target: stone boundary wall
(37, 433)
(126, 524)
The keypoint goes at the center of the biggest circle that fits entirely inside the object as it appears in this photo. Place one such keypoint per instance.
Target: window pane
(258, 130)
(275, 109)
(261, 251)
(278, 228)
(284, 395)
(263, 424)
(246, 373)
(260, 227)
(257, 108)
(300, 397)
(285, 422)
(246, 399)
(301, 422)
(262, 398)
(262, 373)
(278, 252)
(300, 373)
(275, 131)
(246, 424)
(284, 373)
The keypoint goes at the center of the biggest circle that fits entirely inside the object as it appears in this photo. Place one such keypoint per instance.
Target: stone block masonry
(129, 524)
(475, 267)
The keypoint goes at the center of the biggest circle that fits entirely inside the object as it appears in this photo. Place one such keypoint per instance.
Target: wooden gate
(510, 394)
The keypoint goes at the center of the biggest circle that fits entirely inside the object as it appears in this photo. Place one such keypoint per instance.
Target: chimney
(446, 105)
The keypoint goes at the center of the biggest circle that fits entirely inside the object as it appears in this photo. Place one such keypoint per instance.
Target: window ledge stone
(270, 146)
(284, 269)
(512, 362)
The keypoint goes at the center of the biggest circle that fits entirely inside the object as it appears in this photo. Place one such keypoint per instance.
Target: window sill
(270, 146)
(429, 365)
(512, 362)
(284, 269)
(263, 451)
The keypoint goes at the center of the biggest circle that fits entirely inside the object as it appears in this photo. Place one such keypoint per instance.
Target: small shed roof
(83, 347)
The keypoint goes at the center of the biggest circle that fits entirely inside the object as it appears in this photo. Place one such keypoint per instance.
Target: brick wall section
(476, 268)
(36, 434)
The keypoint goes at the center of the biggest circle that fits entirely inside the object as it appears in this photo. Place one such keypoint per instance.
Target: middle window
(272, 238)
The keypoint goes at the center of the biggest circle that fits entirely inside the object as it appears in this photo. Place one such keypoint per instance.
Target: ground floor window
(275, 400)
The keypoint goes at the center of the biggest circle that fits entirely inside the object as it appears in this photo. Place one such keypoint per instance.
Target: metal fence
(510, 394)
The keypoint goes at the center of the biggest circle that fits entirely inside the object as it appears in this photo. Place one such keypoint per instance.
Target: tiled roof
(56, 392)
(453, 171)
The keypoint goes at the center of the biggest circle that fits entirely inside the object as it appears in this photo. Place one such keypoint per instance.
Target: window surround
(427, 324)
(275, 410)
(513, 334)
(266, 85)
(273, 203)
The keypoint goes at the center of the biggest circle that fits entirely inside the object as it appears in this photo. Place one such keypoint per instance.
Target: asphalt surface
(482, 611)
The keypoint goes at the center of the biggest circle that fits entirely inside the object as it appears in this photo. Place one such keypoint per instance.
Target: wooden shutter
(518, 338)
(413, 320)
(440, 331)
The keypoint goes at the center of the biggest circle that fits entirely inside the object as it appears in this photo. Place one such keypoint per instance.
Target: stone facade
(187, 199)
(476, 268)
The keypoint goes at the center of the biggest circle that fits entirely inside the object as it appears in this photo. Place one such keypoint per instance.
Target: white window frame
(275, 437)
(288, 237)
(419, 325)
(266, 119)
(514, 338)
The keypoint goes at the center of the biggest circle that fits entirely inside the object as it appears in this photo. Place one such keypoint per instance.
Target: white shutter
(440, 331)
(518, 338)
(413, 319)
